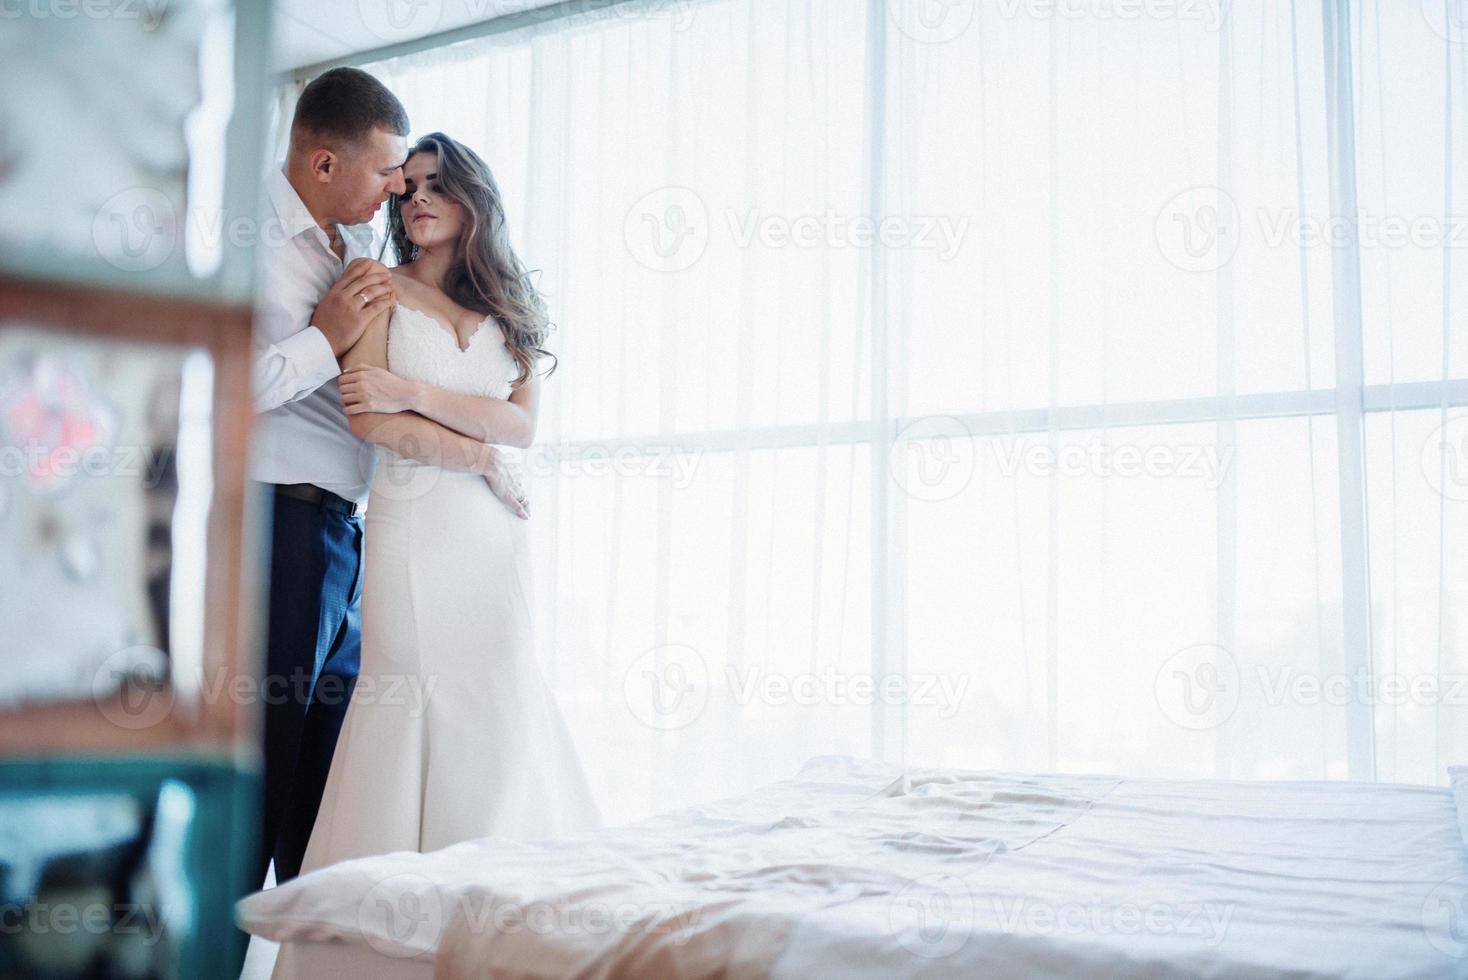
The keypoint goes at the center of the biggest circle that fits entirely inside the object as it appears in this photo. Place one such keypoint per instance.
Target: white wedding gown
(452, 732)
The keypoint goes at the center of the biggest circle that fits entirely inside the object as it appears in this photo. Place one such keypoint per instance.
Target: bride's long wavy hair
(486, 275)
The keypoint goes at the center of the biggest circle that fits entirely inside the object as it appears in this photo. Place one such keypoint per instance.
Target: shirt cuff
(311, 352)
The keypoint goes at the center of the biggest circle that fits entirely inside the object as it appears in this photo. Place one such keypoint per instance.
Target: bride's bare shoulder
(406, 285)
(423, 296)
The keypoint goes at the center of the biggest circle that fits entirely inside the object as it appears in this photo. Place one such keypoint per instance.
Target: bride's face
(432, 219)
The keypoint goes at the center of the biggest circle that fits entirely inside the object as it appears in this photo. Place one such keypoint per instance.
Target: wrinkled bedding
(860, 869)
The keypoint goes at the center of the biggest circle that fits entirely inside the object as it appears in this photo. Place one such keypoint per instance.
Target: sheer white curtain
(1412, 91)
(1002, 384)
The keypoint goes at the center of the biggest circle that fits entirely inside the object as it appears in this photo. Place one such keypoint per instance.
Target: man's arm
(291, 369)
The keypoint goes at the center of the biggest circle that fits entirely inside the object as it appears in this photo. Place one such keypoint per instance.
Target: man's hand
(364, 290)
(503, 482)
(366, 388)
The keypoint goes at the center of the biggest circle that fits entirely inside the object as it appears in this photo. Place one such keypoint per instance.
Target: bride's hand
(366, 388)
(503, 482)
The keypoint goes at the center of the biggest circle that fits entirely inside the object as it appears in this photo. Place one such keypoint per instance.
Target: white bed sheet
(860, 869)
(355, 961)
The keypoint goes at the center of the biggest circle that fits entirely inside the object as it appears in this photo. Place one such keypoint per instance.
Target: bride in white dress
(452, 732)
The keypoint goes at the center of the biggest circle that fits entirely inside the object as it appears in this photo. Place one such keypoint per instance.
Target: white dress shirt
(301, 432)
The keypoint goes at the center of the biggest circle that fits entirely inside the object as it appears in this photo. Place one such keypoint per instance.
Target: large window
(999, 384)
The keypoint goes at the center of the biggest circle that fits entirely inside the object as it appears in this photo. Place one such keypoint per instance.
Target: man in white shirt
(319, 288)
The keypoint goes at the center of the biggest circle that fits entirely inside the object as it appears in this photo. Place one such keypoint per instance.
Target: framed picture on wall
(123, 428)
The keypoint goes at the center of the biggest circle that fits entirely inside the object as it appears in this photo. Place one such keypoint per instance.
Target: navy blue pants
(313, 650)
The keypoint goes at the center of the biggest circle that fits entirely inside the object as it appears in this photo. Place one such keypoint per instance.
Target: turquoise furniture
(123, 867)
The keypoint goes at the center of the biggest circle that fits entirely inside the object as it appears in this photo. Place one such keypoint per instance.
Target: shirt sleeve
(291, 368)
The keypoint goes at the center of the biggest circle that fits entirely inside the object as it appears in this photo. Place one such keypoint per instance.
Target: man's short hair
(343, 106)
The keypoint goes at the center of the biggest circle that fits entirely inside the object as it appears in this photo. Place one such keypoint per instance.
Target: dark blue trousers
(313, 650)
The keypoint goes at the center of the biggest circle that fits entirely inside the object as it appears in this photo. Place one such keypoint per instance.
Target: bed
(856, 868)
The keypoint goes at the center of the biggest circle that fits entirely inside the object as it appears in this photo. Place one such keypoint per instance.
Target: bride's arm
(505, 421)
(404, 432)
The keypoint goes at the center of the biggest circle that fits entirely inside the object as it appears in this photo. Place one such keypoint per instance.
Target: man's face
(365, 176)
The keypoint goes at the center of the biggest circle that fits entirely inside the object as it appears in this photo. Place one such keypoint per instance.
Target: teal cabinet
(123, 868)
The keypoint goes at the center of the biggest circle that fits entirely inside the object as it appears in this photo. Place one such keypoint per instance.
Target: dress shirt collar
(294, 218)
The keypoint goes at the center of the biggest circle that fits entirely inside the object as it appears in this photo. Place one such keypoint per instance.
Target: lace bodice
(419, 348)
